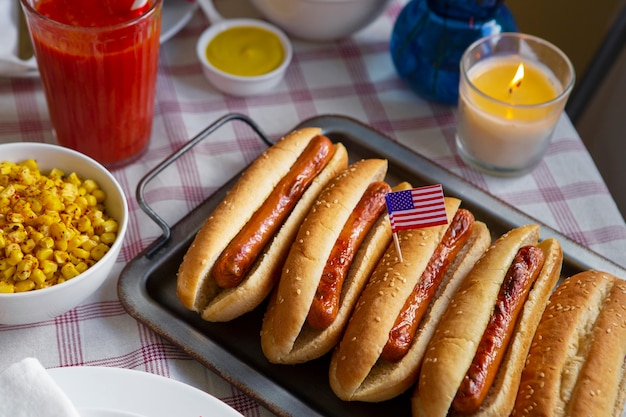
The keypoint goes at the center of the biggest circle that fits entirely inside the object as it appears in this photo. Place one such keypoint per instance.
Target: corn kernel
(84, 224)
(28, 246)
(23, 286)
(91, 200)
(89, 244)
(14, 218)
(73, 180)
(82, 267)
(108, 238)
(100, 195)
(18, 234)
(82, 201)
(49, 268)
(13, 253)
(47, 242)
(7, 274)
(44, 254)
(99, 251)
(31, 165)
(61, 257)
(81, 253)
(110, 226)
(69, 271)
(56, 173)
(90, 185)
(38, 277)
(25, 267)
(6, 288)
(53, 204)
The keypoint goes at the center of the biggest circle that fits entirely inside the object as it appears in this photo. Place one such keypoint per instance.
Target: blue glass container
(430, 36)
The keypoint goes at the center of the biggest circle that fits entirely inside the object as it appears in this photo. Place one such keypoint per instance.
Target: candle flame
(517, 79)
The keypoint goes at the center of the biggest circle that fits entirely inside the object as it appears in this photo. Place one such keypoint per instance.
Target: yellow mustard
(245, 51)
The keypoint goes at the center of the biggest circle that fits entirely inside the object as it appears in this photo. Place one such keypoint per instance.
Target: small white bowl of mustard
(244, 57)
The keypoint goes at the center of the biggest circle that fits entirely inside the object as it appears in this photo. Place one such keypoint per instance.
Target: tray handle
(165, 227)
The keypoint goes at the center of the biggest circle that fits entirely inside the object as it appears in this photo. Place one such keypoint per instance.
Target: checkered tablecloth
(354, 77)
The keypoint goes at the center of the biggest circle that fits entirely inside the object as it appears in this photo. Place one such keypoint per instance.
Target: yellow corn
(69, 271)
(28, 246)
(99, 251)
(14, 218)
(23, 286)
(25, 267)
(52, 227)
(47, 242)
(81, 267)
(49, 268)
(90, 185)
(13, 253)
(89, 244)
(38, 277)
(61, 257)
(8, 273)
(84, 224)
(108, 238)
(6, 288)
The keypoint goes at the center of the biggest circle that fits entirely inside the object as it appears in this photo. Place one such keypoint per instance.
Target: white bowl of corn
(63, 218)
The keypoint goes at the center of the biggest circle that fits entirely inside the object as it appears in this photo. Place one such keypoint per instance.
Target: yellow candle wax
(493, 79)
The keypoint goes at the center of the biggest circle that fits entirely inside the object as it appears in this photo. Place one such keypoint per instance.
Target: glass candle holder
(512, 92)
(430, 36)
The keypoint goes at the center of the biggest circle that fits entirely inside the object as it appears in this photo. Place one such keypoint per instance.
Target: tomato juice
(98, 65)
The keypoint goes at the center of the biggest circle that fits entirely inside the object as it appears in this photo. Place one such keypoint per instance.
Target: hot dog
(473, 362)
(403, 331)
(357, 370)
(575, 366)
(325, 305)
(337, 245)
(260, 216)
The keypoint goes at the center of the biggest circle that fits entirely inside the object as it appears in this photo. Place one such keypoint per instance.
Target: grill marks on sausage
(325, 306)
(237, 259)
(403, 331)
(518, 281)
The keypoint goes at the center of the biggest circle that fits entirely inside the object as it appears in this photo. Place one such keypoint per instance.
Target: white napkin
(10, 64)
(27, 390)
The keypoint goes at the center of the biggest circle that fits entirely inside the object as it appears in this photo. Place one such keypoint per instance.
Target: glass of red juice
(98, 66)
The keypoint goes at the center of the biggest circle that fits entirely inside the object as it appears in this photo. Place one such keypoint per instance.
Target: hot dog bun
(285, 336)
(454, 344)
(357, 373)
(196, 288)
(576, 364)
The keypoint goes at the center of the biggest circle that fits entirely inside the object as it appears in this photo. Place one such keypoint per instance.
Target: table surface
(353, 77)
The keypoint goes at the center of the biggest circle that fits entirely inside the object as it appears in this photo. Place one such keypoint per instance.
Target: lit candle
(509, 104)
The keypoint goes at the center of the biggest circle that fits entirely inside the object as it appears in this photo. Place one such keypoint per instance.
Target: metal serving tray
(232, 350)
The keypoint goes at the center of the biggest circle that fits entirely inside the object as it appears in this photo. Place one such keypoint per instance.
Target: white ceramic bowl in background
(320, 20)
(47, 303)
(242, 85)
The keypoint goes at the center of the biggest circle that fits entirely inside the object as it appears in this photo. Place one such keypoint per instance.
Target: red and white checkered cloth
(354, 77)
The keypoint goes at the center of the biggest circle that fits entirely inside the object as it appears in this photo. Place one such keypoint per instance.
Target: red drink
(98, 64)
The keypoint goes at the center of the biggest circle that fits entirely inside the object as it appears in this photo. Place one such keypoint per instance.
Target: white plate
(116, 392)
(176, 14)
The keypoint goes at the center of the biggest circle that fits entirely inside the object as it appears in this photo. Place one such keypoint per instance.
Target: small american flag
(417, 208)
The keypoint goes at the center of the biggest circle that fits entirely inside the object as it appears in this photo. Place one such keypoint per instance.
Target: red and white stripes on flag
(417, 208)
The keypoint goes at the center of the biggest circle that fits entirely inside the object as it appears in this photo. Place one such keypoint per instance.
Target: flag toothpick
(396, 241)
(414, 209)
